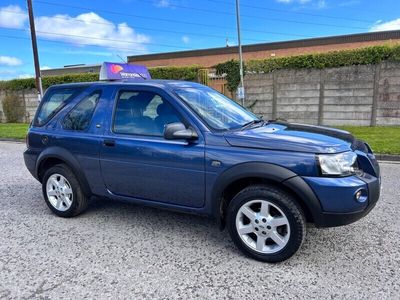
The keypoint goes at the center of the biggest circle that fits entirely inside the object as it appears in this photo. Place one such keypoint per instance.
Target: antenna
(123, 60)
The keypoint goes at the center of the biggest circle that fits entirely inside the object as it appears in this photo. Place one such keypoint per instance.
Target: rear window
(80, 116)
(53, 102)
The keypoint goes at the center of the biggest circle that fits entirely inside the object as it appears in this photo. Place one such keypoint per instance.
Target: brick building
(210, 57)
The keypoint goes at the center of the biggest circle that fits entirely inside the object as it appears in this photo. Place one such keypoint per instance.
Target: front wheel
(266, 223)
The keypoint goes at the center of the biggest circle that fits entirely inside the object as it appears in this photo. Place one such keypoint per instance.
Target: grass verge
(13, 131)
(382, 139)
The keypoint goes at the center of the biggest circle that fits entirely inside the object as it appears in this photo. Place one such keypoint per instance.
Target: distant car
(183, 146)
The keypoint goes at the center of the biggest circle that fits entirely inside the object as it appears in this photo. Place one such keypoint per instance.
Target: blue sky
(92, 31)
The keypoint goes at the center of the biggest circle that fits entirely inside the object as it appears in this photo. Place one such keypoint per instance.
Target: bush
(179, 73)
(231, 69)
(14, 107)
(362, 56)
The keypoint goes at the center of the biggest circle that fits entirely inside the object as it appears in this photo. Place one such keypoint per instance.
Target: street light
(240, 91)
(35, 50)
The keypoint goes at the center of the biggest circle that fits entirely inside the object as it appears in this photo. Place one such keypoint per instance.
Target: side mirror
(178, 131)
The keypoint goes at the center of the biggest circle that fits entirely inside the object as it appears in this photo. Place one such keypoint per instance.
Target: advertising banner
(126, 72)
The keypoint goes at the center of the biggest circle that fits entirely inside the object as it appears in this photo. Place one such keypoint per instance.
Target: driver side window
(142, 113)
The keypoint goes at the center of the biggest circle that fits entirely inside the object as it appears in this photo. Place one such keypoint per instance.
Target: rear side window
(80, 116)
(53, 102)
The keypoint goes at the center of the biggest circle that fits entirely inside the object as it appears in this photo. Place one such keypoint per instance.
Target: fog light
(361, 195)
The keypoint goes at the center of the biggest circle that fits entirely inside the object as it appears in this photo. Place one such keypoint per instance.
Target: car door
(78, 134)
(136, 161)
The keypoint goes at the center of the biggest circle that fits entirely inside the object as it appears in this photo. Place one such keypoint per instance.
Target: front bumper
(339, 205)
(338, 202)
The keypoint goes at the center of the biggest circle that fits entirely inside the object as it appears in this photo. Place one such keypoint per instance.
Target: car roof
(163, 84)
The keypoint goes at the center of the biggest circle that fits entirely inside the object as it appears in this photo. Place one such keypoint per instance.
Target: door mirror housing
(178, 131)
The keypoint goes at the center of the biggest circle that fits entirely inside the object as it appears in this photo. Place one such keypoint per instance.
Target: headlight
(341, 164)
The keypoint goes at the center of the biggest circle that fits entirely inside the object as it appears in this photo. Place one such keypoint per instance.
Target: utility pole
(35, 51)
(241, 86)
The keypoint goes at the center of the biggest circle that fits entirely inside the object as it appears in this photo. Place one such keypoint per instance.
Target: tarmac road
(116, 250)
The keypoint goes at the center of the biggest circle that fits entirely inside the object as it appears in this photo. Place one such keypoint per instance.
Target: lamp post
(35, 51)
(241, 86)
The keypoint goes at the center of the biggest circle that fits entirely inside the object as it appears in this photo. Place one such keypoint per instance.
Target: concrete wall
(29, 104)
(356, 95)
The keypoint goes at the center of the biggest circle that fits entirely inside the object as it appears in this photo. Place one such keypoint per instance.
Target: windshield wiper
(251, 123)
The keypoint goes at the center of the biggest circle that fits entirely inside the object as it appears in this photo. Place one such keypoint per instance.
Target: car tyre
(266, 223)
(63, 193)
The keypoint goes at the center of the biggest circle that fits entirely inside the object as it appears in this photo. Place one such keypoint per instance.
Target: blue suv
(183, 146)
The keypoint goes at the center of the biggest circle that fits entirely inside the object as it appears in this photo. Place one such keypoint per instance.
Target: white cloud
(10, 61)
(321, 4)
(91, 29)
(294, 1)
(23, 76)
(12, 16)
(45, 68)
(185, 39)
(383, 26)
(163, 3)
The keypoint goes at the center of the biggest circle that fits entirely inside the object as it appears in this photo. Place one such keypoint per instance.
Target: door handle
(109, 143)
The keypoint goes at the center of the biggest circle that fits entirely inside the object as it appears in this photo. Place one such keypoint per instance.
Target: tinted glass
(216, 110)
(80, 116)
(143, 113)
(52, 103)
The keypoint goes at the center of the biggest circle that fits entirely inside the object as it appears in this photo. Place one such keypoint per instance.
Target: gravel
(117, 250)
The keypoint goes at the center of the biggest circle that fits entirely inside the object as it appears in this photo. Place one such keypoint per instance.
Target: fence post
(274, 94)
(321, 97)
(202, 76)
(375, 99)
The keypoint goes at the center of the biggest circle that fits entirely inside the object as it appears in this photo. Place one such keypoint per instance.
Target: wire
(63, 42)
(203, 10)
(173, 31)
(100, 39)
(293, 12)
(156, 30)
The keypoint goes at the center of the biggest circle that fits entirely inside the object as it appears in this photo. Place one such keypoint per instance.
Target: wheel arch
(56, 155)
(236, 178)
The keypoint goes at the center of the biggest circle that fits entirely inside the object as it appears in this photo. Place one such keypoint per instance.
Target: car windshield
(216, 110)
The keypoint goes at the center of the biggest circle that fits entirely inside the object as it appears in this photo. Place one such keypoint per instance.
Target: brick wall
(356, 95)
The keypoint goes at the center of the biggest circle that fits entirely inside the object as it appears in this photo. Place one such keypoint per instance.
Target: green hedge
(362, 56)
(189, 73)
(179, 73)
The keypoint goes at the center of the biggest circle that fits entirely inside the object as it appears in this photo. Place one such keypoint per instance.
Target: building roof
(340, 39)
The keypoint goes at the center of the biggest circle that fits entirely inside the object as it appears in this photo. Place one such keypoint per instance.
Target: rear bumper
(30, 161)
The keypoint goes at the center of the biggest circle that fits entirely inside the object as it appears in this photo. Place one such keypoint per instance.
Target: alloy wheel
(59, 192)
(263, 226)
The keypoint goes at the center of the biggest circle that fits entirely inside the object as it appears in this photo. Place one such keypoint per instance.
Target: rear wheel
(265, 223)
(62, 192)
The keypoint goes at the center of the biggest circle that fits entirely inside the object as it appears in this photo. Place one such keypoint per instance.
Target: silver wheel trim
(263, 227)
(59, 192)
